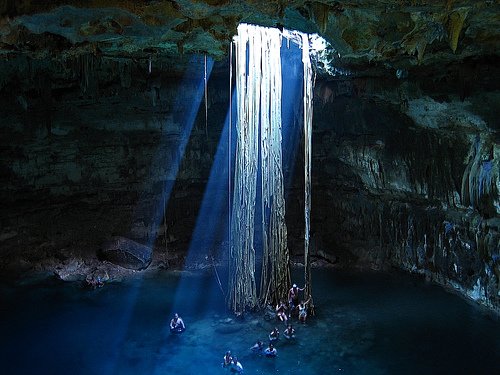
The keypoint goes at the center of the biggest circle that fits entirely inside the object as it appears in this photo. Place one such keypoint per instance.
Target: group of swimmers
(293, 305)
(235, 366)
(231, 362)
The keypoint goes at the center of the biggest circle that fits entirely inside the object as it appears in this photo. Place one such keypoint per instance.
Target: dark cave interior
(405, 147)
(117, 170)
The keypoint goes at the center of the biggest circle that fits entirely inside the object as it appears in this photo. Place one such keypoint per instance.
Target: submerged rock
(127, 253)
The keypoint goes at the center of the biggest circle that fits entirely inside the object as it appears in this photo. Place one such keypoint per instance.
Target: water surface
(372, 323)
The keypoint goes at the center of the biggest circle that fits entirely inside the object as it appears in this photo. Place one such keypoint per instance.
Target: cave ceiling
(365, 34)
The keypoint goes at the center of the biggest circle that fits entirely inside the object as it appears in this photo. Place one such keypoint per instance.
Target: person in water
(281, 311)
(236, 366)
(303, 310)
(258, 347)
(274, 335)
(227, 360)
(293, 298)
(177, 324)
(289, 332)
(270, 351)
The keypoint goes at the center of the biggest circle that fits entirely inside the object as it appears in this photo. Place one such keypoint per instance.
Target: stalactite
(89, 80)
(125, 74)
(424, 33)
(455, 24)
(480, 175)
(321, 13)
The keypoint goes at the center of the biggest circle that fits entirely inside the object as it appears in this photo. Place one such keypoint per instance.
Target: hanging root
(259, 88)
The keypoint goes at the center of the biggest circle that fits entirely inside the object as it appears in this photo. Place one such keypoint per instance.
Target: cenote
(202, 157)
(365, 323)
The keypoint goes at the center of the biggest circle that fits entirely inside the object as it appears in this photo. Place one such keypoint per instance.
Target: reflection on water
(371, 323)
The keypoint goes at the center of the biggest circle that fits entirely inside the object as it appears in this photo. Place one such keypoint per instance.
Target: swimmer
(303, 310)
(177, 324)
(293, 298)
(270, 351)
(227, 360)
(281, 311)
(289, 332)
(236, 366)
(274, 335)
(258, 347)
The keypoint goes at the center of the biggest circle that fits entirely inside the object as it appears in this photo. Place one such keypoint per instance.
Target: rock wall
(90, 147)
(405, 171)
(408, 175)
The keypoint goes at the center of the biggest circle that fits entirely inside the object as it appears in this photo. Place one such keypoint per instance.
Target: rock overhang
(375, 37)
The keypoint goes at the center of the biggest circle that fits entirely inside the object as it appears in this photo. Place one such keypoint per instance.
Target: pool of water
(371, 323)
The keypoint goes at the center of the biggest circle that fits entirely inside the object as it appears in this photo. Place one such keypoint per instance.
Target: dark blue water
(371, 323)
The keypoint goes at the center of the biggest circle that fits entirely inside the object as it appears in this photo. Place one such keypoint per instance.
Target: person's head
(259, 343)
(271, 346)
(289, 326)
(235, 360)
(176, 316)
(228, 353)
(294, 286)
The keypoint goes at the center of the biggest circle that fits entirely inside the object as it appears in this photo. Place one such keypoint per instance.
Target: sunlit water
(365, 324)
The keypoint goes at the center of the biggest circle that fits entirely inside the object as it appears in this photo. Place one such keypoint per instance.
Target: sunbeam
(188, 102)
(210, 232)
(172, 145)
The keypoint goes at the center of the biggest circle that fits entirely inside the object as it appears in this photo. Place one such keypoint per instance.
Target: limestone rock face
(411, 183)
(379, 35)
(127, 253)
